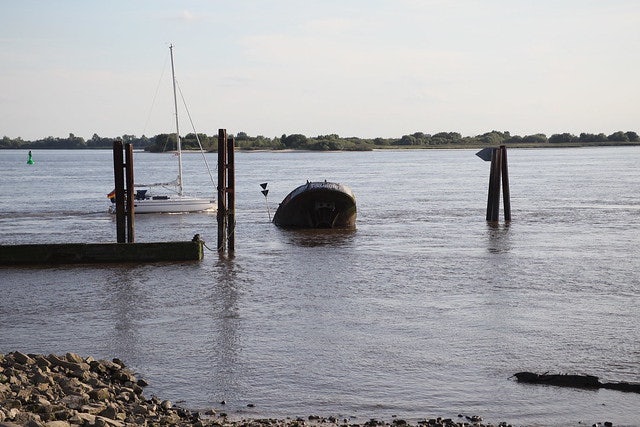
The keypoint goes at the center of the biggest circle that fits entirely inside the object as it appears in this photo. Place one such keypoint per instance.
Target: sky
(363, 68)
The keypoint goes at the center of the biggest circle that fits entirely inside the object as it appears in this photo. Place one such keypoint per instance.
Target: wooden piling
(495, 214)
(130, 212)
(493, 201)
(505, 185)
(118, 174)
(222, 188)
(231, 194)
(499, 174)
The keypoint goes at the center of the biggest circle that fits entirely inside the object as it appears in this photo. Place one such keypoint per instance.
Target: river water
(424, 310)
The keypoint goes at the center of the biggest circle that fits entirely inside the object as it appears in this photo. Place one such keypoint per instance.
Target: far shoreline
(380, 148)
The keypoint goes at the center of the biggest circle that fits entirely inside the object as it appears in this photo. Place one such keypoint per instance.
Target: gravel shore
(69, 390)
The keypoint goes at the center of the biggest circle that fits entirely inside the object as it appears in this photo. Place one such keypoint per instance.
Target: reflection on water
(319, 237)
(225, 337)
(499, 238)
(125, 300)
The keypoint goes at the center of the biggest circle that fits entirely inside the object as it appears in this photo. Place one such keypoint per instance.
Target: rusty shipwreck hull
(317, 205)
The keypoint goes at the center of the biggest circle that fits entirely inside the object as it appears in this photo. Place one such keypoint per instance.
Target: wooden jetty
(97, 253)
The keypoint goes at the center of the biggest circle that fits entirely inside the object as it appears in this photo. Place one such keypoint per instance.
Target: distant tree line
(331, 142)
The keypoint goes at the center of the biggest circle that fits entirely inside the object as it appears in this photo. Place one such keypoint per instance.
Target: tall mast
(175, 107)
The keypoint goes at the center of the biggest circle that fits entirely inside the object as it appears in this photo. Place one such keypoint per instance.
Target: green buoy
(30, 159)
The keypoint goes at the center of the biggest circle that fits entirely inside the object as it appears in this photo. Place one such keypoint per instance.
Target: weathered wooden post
(118, 174)
(498, 175)
(222, 187)
(505, 185)
(493, 203)
(123, 173)
(231, 195)
(130, 212)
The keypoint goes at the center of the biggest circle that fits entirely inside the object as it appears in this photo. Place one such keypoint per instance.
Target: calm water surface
(423, 311)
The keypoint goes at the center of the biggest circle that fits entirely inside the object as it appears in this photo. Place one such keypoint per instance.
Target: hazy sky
(363, 68)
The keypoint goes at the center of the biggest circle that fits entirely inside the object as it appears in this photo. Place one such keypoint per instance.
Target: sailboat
(145, 202)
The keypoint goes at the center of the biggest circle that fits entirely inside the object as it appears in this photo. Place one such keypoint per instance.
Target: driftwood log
(580, 381)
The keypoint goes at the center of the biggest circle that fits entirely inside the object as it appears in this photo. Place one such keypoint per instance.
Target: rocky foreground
(63, 391)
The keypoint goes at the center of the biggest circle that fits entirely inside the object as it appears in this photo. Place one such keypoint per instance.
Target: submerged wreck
(579, 381)
(317, 205)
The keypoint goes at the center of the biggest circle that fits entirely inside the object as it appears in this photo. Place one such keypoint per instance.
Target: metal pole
(175, 107)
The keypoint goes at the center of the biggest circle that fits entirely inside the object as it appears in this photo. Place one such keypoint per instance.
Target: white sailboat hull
(172, 204)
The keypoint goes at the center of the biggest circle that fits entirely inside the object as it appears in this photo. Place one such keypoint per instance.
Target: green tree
(562, 138)
(294, 141)
(618, 137)
(538, 138)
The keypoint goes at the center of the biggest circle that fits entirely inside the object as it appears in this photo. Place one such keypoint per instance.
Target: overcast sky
(363, 68)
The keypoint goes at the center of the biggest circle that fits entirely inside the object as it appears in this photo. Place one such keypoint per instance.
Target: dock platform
(99, 253)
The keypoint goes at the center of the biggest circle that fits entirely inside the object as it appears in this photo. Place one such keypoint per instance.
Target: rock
(82, 418)
(57, 424)
(74, 358)
(111, 412)
(64, 414)
(40, 400)
(119, 362)
(13, 413)
(93, 408)
(111, 423)
(66, 364)
(25, 417)
(22, 358)
(42, 362)
(12, 403)
(102, 393)
(40, 377)
(73, 401)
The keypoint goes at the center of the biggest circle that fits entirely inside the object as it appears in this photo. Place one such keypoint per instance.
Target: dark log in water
(580, 381)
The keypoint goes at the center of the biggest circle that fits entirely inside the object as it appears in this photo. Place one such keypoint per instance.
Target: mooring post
(492, 158)
(506, 195)
(231, 195)
(130, 213)
(118, 175)
(497, 179)
(493, 200)
(498, 158)
(222, 186)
